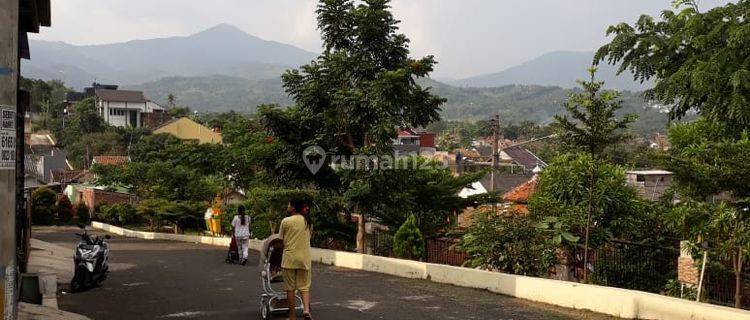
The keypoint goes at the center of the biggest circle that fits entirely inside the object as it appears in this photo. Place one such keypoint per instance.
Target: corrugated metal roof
(524, 157)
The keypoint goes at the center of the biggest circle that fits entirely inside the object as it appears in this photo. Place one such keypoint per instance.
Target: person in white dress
(241, 225)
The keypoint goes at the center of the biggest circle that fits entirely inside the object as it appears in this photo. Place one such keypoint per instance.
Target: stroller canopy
(272, 251)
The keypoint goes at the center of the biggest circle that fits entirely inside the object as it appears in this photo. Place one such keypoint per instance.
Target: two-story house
(124, 108)
(120, 108)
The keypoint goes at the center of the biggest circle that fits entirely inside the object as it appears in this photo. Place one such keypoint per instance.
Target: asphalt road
(173, 280)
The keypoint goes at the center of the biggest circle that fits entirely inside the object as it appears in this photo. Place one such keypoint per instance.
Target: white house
(124, 108)
(651, 184)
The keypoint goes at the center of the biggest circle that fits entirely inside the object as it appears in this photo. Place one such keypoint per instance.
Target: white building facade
(124, 108)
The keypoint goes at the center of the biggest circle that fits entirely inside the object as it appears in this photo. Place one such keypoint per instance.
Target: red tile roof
(522, 193)
(407, 133)
(111, 160)
(65, 176)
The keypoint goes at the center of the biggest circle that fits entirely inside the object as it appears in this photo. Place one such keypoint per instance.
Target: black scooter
(91, 261)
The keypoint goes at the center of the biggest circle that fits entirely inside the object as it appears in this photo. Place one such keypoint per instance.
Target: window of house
(640, 178)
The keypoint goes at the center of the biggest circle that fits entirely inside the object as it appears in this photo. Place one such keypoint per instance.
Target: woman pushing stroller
(241, 227)
(296, 264)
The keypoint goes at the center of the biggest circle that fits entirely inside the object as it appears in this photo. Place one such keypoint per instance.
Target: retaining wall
(629, 304)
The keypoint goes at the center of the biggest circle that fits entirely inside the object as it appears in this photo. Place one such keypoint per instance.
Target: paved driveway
(173, 280)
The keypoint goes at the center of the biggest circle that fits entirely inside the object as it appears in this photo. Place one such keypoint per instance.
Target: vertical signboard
(7, 138)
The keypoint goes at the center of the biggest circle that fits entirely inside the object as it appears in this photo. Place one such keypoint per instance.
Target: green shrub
(83, 215)
(513, 244)
(182, 214)
(43, 206)
(118, 214)
(408, 242)
(64, 211)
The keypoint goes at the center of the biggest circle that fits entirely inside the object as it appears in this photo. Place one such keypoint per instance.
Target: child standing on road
(241, 226)
(296, 261)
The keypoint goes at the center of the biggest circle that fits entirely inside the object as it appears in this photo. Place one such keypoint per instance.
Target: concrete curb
(629, 304)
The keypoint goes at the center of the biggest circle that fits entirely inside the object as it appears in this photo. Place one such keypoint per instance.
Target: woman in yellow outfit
(296, 263)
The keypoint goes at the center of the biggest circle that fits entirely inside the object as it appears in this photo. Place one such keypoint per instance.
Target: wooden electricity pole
(495, 124)
(9, 69)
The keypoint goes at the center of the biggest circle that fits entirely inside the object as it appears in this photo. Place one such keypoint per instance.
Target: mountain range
(559, 68)
(224, 68)
(221, 50)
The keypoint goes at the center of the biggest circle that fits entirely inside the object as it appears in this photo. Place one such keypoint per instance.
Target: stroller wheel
(265, 310)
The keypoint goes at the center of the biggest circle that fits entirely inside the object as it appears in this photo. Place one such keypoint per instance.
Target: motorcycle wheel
(81, 280)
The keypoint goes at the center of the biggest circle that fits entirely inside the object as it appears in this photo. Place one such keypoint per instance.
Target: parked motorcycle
(90, 260)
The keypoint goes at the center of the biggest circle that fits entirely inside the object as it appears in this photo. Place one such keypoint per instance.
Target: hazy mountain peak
(222, 29)
(222, 49)
(556, 68)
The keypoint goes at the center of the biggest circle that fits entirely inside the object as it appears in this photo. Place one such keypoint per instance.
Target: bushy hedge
(408, 242)
(83, 215)
(64, 210)
(508, 243)
(118, 214)
(182, 214)
(43, 209)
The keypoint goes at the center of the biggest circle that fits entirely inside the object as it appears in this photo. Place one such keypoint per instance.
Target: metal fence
(380, 243)
(438, 250)
(720, 284)
(444, 251)
(630, 265)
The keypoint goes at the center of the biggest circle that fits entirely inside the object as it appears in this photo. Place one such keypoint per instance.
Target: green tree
(594, 126)
(43, 206)
(64, 210)
(364, 74)
(83, 214)
(171, 99)
(179, 112)
(508, 243)
(408, 242)
(161, 179)
(121, 214)
(157, 211)
(414, 185)
(47, 98)
(594, 129)
(708, 160)
(608, 209)
(697, 60)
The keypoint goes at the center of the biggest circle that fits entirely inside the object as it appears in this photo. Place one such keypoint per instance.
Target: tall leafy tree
(594, 128)
(697, 60)
(363, 86)
(416, 185)
(708, 161)
(171, 100)
(594, 125)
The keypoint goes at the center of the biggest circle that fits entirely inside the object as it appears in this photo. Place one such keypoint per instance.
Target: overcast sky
(468, 37)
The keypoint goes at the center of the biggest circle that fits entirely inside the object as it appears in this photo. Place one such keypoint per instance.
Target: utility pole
(9, 69)
(495, 124)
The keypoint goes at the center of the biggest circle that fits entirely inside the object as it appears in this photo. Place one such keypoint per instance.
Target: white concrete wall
(124, 119)
(628, 304)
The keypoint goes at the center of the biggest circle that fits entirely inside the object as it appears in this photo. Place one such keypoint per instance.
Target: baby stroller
(233, 255)
(273, 300)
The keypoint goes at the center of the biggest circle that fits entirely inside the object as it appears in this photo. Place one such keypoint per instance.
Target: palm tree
(171, 99)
